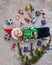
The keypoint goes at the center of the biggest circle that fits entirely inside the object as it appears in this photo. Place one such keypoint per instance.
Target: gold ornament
(27, 7)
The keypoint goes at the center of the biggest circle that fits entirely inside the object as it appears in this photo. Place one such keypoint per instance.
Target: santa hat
(8, 31)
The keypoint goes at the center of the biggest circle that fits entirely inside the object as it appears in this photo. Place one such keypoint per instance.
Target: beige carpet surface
(9, 9)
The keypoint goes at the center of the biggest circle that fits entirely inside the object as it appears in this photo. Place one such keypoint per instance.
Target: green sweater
(28, 33)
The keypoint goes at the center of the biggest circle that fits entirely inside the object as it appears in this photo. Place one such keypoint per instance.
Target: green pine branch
(31, 50)
(20, 51)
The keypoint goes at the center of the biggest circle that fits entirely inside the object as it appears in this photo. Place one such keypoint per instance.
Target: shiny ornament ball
(38, 49)
(27, 7)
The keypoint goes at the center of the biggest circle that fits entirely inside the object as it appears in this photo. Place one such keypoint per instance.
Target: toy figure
(30, 14)
(43, 22)
(27, 20)
(7, 37)
(17, 17)
(17, 33)
(13, 47)
(37, 13)
(25, 49)
(33, 20)
(9, 21)
(21, 12)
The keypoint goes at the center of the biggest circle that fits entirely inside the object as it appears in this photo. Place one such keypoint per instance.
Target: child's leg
(43, 32)
(46, 34)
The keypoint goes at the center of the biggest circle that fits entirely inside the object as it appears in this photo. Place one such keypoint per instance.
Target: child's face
(18, 33)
